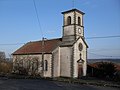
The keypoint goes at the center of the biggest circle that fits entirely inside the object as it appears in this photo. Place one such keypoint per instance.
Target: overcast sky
(19, 24)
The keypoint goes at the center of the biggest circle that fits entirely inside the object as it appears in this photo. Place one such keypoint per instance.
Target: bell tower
(73, 27)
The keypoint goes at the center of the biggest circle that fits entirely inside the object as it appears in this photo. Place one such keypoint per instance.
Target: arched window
(79, 21)
(69, 20)
(46, 65)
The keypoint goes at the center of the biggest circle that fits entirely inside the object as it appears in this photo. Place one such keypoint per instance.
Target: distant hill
(104, 60)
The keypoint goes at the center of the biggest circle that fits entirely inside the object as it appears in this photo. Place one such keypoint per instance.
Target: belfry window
(79, 21)
(46, 65)
(69, 20)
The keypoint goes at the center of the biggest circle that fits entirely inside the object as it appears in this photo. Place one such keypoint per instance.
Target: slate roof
(37, 47)
(67, 43)
(73, 10)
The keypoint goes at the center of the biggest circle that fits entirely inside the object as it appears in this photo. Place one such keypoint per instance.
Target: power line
(38, 17)
(117, 36)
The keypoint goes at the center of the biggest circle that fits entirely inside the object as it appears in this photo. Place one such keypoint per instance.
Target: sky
(19, 24)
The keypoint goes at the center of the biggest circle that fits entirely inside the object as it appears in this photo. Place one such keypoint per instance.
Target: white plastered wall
(65, 61)
(77, 57)
(25, 58)
(56, 62)
(66, 16)
(81, 18)
(48, 57)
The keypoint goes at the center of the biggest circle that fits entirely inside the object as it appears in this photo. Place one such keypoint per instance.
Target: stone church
(60, 57)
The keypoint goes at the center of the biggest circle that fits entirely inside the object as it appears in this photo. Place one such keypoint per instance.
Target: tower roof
(73, 10)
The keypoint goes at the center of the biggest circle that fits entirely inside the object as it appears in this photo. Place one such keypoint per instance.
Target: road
(34, 84)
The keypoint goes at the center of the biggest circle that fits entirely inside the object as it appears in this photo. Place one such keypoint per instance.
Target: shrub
(5, 67)
(105, 70)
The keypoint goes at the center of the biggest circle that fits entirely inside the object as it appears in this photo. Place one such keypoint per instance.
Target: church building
(59, 57)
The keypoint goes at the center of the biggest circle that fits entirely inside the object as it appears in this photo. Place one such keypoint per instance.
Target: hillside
(104, 60)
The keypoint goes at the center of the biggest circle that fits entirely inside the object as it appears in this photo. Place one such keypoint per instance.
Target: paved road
(32, 84)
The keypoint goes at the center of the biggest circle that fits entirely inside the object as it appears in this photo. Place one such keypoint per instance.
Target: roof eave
(73, 10)
(31, 53)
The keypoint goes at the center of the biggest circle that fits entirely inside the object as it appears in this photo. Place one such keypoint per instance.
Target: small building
(61, 57)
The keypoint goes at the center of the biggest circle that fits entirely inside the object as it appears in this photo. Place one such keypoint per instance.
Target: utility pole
(43, 52)
(43, 57)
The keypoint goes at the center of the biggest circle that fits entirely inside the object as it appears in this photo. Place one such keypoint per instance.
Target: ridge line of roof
(44, 40)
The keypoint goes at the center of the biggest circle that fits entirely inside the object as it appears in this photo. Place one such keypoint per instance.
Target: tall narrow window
(46, 65)
(69, 20)
(79, 21)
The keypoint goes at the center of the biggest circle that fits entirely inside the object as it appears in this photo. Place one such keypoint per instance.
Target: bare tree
(26, 65)
(2, 55)
(34, 65)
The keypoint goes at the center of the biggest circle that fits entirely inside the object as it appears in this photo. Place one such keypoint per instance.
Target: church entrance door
(80, 70)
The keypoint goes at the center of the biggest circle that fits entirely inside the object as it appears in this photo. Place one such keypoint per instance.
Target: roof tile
(36, 47)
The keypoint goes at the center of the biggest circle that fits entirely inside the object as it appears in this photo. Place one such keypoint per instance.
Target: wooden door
(80, 70)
